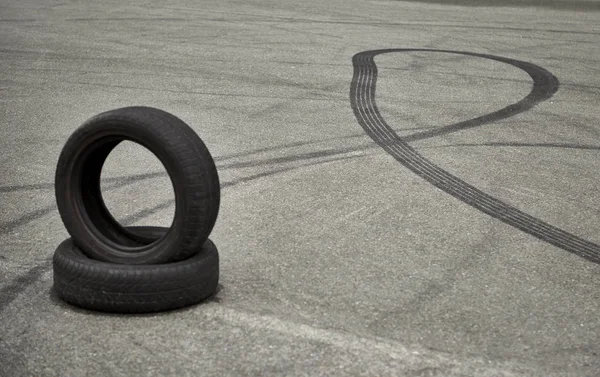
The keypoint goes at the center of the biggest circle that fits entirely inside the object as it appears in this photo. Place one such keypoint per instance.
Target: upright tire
(189, 165)
(119, 288)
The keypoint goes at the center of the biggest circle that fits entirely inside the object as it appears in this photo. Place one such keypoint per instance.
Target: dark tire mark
(577, 5)
(117, 182)
(11, 291)
(223, 166)
(18, 285)
(362, 98)
(544, 87)
(529, 145)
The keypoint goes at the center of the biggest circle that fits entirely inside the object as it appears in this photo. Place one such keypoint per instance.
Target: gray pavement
(336, 259)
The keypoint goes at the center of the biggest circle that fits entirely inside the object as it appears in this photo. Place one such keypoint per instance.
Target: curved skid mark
(362, 98)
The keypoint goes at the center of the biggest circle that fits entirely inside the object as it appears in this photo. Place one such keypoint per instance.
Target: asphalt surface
(345, 249)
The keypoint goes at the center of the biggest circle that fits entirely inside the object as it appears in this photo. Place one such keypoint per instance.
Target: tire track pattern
(362, 98)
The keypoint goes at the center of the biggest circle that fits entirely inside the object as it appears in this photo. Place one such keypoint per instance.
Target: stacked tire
(105, 266)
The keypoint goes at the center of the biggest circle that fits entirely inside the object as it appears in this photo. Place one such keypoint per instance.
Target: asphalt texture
(430, 212)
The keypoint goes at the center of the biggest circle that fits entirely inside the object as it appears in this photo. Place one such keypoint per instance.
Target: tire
(188, 162)
(115, 288)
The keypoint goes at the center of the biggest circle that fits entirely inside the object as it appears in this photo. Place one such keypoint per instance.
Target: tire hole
(136, 188)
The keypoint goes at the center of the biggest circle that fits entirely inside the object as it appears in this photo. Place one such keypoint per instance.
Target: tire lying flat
(183, 154)
(116, 288)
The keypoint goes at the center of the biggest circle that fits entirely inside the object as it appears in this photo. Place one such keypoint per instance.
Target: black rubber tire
(116, 288)
(188, 162)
